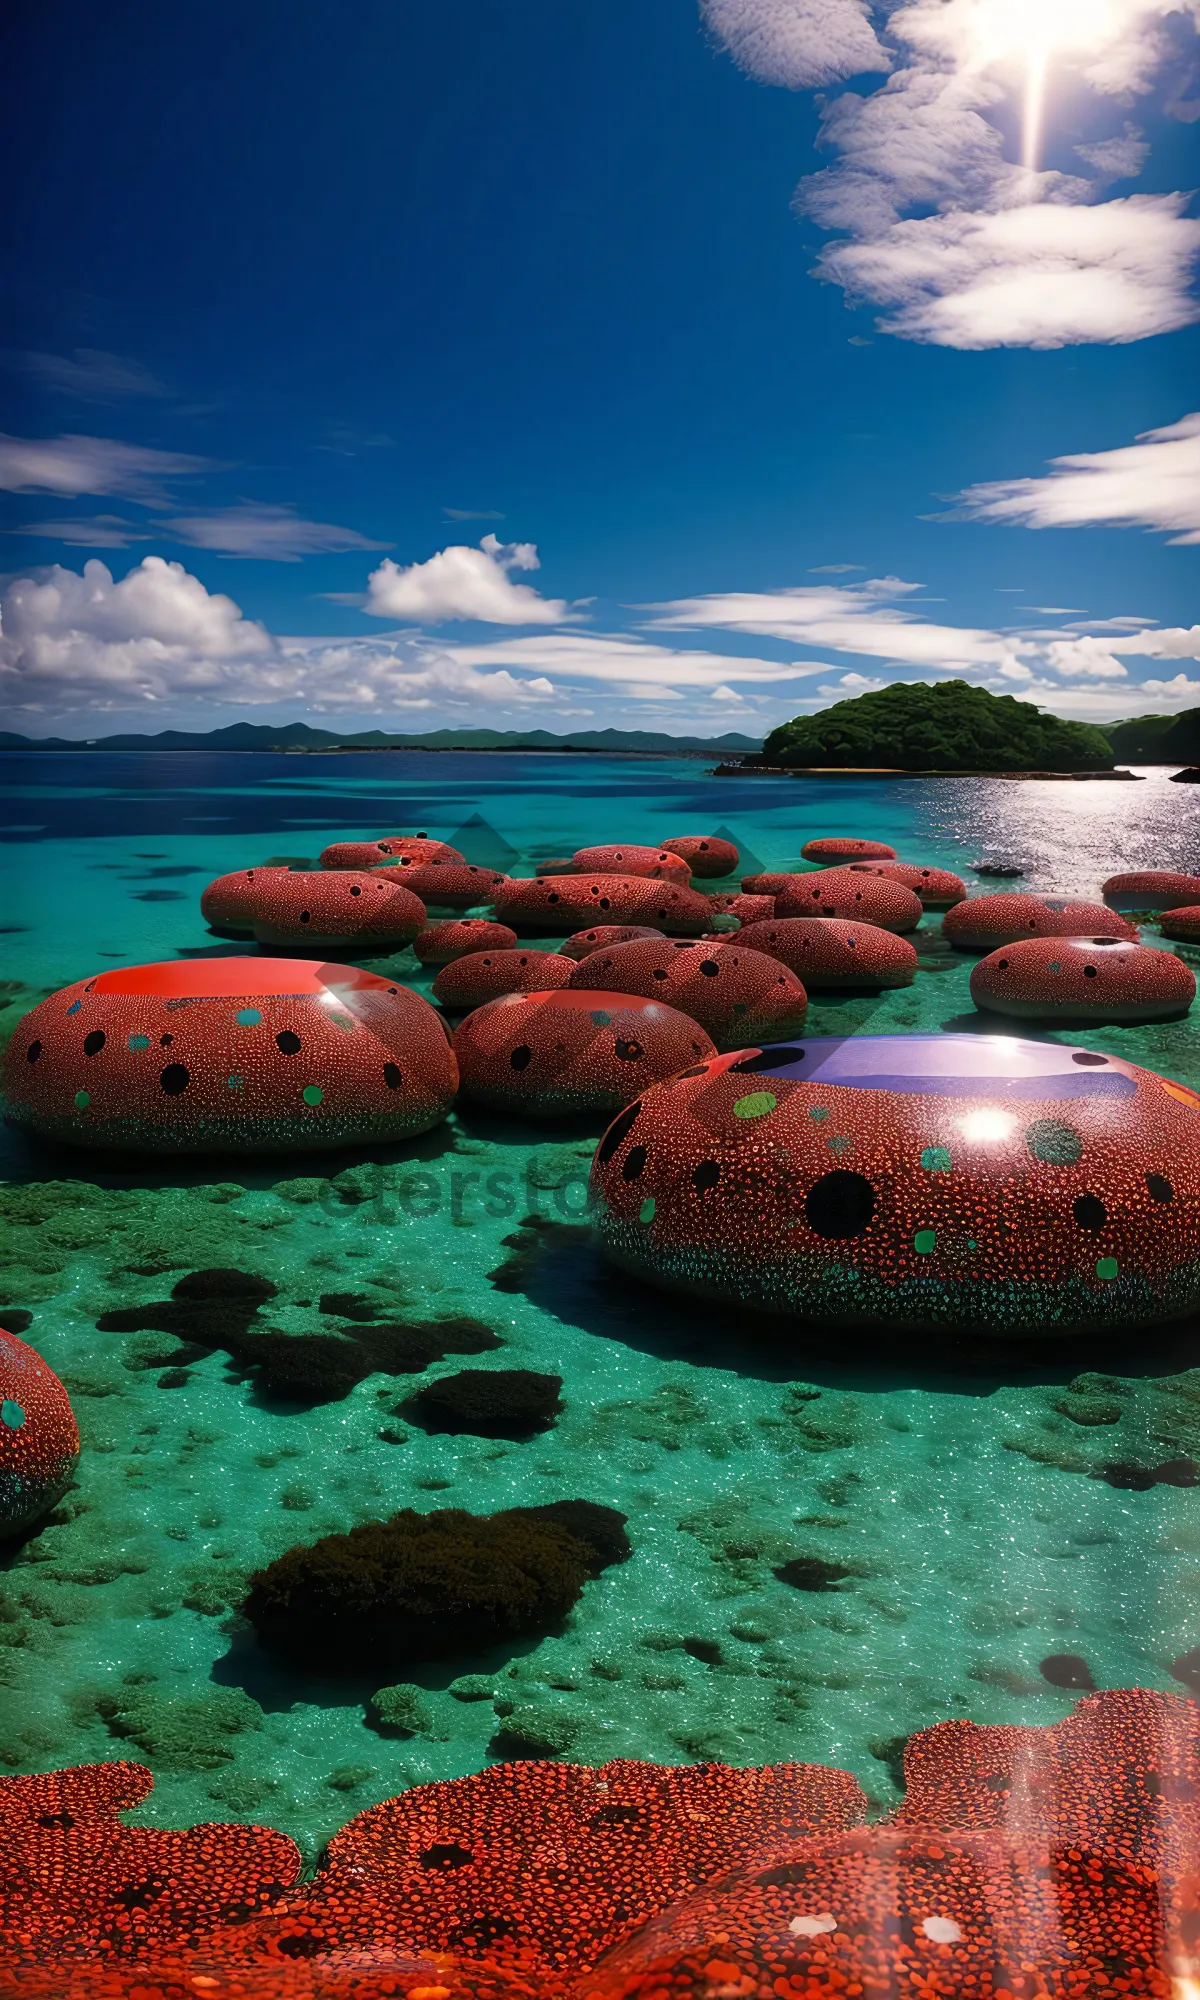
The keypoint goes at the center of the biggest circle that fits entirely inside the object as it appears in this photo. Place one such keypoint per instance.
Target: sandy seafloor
(951, 1480)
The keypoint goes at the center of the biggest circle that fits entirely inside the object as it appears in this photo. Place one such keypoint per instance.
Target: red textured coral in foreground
(551, 1864)
(894, 1913)
(75, 1881)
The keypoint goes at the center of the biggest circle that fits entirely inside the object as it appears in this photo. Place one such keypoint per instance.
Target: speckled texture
(950, 1502)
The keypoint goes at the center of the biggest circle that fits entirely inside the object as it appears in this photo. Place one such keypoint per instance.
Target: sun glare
(1031, 34)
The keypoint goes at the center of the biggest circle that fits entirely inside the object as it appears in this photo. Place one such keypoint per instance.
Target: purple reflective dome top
(944, 1066)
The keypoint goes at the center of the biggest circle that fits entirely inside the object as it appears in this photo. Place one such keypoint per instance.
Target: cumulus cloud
(69, 466)
(86, 642)
(958, 244)
(797, 43)
(1154, 483)
(464, 583)
(91, 376)
(1043, 274)
(270, 534)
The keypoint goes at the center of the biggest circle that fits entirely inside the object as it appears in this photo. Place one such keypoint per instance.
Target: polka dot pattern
(39, 1439)
(442, 943)
(391, 850)
(915, 1181)
(260, 1056)
(1083, 979)
(658, 863)
(841, 892)
(828, 952)
(829, 850)
(705, 853)
(567, 903)
(544, 1054)
(731, 992)
(481, 976)
(983, 923)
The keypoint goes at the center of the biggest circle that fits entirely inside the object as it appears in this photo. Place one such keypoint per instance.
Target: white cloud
(464, 583)
(862, 618)
(93, 531)
(92, 376)
(630, 662)
(69, 466)
(271, 534)
(850, 685)
(80, 642)
(1083, 659)
(797, 43)
(1117, 159)
(998, 252)
(1043, 274)
(1154, 483)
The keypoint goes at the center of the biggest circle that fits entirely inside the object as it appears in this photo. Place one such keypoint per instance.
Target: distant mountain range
(296, 736)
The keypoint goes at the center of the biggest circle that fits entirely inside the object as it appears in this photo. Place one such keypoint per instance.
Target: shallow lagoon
(954, 1485)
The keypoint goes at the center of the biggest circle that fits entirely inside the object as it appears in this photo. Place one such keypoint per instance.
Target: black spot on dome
(392, 1075)
(618, 1132)
(175, 1079)
(355, 890)
(709, 968)
(1089, 972)
(629, 1051)
(446, 1854)
(1087, 1060)
(635, 1160)
(521, 1057)
(305, 916)
(287, 1042)
(1090, 1212)
(93, 1043)
(656, 974)
(33, 1052)
(839, 1204)
(706, 1175)
(1159, 1188)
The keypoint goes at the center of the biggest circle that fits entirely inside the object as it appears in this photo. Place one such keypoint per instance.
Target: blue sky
(298, 299)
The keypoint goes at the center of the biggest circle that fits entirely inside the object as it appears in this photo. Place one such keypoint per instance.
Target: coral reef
(488, 1402)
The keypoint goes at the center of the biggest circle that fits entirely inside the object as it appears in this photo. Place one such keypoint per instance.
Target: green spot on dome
(12, 1413)
(139, 1041)
(924, 1241)
(756, 1105)
(248, 1017)
(1054, 966)
(312, 1093)
(234, 1083)
(82, 1099)
(936, 1160)
(344, 1022)
(818, 1112)
(841, 1143)
(1052, 1142)
(1107, 1268)
(646, 1211)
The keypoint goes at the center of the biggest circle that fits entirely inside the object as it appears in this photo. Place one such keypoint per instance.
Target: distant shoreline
(749, 770)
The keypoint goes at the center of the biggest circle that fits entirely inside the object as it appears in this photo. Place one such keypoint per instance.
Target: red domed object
(230, 1055)
(732, 992)
(230, 904)
(336, 910)
(736, 903)
(556, 864)
(1083, 979)
(983, 923)
(449, 885)
(937, 888)
(568, 902)
(443, 942)
(704, 853)
(1151, 889)
(39, 1438)
(583, 942)
(656, 862)
(544, 1054)
(1181, 925)
(913, 1181)
(484, 975)
(833, 952)
(839, 892)
(776, 882)
(394, 850)
(839, 847)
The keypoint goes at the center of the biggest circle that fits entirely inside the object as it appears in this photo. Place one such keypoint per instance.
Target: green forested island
(950, 727)
(1157, 739)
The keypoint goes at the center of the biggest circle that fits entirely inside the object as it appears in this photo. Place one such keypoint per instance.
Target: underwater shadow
(278, 1688)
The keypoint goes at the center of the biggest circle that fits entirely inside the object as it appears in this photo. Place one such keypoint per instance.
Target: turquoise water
(949, 1481)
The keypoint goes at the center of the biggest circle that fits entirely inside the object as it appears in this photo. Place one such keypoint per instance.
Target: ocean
(956, 1486)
